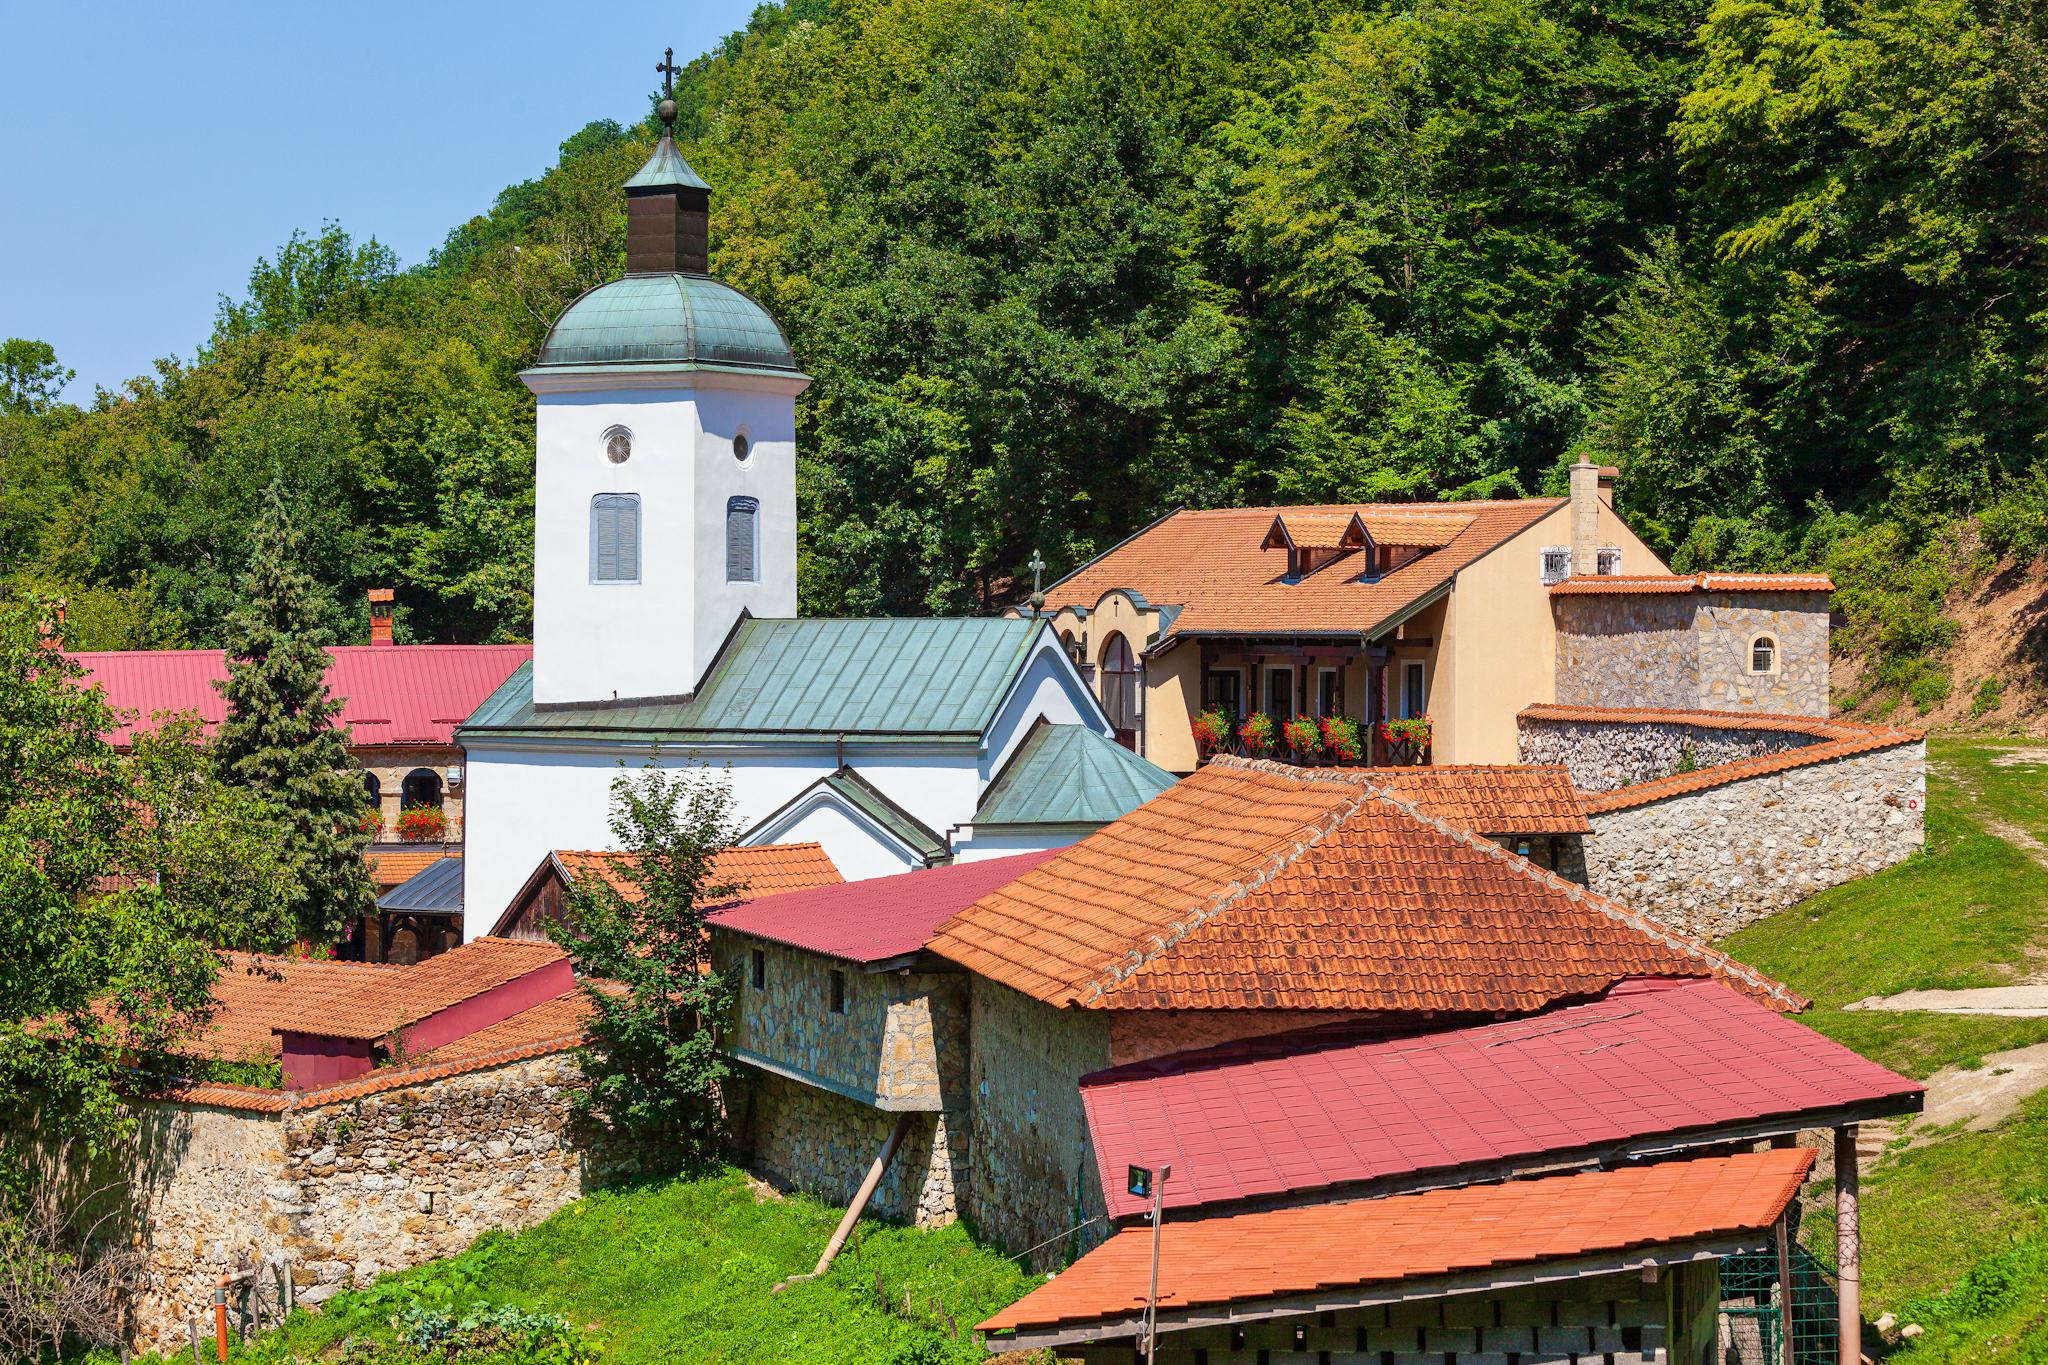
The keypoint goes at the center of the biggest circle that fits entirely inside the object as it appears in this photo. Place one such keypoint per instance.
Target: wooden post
(1848, 1250)
(1785, 1288)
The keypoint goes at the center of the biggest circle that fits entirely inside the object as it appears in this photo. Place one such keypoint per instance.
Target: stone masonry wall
(1614, 1319)
(1727, 624)
(798, 1136)
(1626, 650)
(1709, 862)
(336, 1194)
(1604, 756)
(1030, 1170)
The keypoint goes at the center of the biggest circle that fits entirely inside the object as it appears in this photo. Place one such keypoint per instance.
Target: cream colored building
(1368, 611)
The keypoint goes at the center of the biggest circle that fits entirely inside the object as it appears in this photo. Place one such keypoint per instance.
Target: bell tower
(665, 479)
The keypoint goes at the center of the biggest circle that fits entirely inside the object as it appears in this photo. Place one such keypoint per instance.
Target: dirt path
(2013, 1002)
(2004, 829)
(1983, 1097)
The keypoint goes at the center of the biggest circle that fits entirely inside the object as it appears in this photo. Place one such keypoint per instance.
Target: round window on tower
(618, 445)
(742, 447)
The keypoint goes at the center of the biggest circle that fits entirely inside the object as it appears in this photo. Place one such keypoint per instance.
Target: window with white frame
(615, 538)
(1280, 693)
(1763, 654)
(1329, 692)
(1557, 563)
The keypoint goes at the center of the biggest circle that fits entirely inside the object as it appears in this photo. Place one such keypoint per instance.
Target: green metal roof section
(669, 319)
(666, 169)
(911, 679)
(1070, 775)
(862, 796)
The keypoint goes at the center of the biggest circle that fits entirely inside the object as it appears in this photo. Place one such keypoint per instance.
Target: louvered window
(615, 538)
(742, 526)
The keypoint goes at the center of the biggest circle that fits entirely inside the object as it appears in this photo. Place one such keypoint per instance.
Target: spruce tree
(281, 739)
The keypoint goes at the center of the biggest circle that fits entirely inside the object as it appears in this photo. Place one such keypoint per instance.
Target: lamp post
(1143, 1181)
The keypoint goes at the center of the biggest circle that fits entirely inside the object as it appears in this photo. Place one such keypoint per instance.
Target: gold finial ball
(666, 111)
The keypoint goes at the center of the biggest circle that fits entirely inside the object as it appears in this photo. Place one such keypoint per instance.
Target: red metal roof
(1309, 1111)
(1284, 1252)
(393, 694)
(879, 918)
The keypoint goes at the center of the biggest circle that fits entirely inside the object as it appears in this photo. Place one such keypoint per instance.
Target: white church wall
(856, 845)
(973, 846)
(654, 637)
(1046, 686)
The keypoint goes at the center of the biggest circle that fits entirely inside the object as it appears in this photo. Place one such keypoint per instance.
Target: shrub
(1411, 730)
(1211, 729)
(1929, 688)
(1990, 693)
(421, 824)
(2017, 524)
(1303, 736)
(372, 821)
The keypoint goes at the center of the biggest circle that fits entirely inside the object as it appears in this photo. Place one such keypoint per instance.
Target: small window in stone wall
(757, 968)
(1763, 654)
(839, 992)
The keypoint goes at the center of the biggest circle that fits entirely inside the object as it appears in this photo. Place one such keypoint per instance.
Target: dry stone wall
(1709, 862)
(798, 1136)
(1605, 756)
(332, 1195)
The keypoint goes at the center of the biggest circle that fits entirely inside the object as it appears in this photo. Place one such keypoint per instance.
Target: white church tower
(665, 493)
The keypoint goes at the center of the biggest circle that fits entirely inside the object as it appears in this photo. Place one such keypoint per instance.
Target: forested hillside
(1060, 265)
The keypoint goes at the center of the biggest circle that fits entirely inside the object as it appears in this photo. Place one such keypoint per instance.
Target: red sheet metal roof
(878, 918)
(393, 694)
(1283, 1252)
(1304, 1112)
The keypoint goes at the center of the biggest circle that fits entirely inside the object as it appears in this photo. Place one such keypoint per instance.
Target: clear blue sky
(153, 151)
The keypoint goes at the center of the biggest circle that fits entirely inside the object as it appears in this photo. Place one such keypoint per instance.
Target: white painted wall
(653, 638)
(972, 846)
(857, 846)
(1047, 685)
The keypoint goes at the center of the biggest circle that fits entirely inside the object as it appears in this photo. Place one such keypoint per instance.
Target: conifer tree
(280, 738)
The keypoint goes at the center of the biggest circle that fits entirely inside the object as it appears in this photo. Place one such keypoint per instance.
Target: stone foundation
(797, 1136)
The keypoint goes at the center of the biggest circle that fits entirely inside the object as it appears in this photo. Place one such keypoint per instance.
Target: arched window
(742, 529)
(373, 790)
(422, 787)
(615, 538)
(1120, 688)
(1763, 654)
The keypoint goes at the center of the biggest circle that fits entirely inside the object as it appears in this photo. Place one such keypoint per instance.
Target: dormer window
(615, 538)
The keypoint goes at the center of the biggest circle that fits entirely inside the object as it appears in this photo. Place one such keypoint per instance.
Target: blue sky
(153, 151)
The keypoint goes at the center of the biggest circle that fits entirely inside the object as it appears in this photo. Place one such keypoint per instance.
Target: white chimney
(1586, 482)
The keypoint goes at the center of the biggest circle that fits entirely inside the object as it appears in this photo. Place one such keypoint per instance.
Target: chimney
(380, 615)
(668, 211)
(1585, 518)
(53, 625)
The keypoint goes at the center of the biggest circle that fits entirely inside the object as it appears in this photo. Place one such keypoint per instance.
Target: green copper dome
(667, 320)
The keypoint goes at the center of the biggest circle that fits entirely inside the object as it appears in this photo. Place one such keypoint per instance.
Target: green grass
(681, 1270)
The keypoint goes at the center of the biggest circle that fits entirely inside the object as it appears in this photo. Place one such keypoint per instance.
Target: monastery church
(665, 625)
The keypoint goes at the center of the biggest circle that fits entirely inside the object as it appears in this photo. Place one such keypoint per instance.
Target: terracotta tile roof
(1618, 585)
(562, 1017)
(252, 994)
(1836, 739)
(248, 1098)
(1522, 798)
(1251, 885)
(377, 1006)
(877, 918)
(1211, 566)
(765, 869)
(395, 869)
(1284, 1252)
(1411, 532)
(1297, 1113)
(391, 694)
(1314, 531)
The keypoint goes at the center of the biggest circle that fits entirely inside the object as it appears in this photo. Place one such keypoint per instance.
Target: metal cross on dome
(668, 71)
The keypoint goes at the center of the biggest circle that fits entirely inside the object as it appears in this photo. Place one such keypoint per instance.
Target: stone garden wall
(329, 1195)
(1712, 860)
(1605, 755)
(798, 1136)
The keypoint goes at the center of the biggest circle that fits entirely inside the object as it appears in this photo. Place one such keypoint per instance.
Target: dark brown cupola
(668, 211)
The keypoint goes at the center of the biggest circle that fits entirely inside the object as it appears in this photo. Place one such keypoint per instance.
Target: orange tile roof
(1407, 532)
(1384, 1242)
(1211, 566)
(564, 1016)
(1313, 531)
(380, 1005)
(1615, 585)
(389, 869)
(1837, 739)
(252, 994)
(1519, 798)
(763, 869)
(1251, 885)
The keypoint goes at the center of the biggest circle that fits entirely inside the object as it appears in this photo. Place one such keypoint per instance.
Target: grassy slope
(1971, 911)
(680, 1270)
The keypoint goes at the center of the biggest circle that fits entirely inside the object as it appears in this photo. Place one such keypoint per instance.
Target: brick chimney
(380, 615)
(1585, 518)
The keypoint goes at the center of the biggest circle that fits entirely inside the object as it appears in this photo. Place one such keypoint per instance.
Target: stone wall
(798, 1136)
(1604, 756)
(334, 1194)
(1030, 1170)
(1710, 861)
(1692, 651)
(1615, 1319)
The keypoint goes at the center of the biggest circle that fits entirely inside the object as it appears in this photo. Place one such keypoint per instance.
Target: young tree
(652, 1061)
(280, 739)
(30, 377)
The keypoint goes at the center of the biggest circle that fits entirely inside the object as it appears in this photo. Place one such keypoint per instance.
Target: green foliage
(652, 1061)
(1989, 696)
(120, 880)
(30, 377)
(280, 739)
(325, 276)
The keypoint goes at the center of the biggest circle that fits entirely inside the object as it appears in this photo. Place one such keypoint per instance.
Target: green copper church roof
(666, 169)
(667, 319)
(1070, 775)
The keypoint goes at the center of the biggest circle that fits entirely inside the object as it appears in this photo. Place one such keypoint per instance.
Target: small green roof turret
(666, 169)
